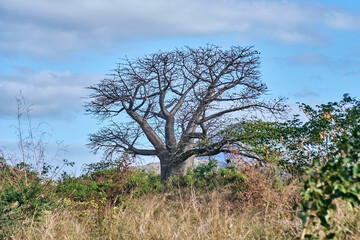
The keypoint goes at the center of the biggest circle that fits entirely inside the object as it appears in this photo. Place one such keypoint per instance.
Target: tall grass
(160, 216)
(263, 208)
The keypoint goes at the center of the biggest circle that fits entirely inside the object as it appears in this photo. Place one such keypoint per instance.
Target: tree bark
(171, 168)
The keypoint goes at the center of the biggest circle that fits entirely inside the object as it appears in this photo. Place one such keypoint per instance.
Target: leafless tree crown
(177, 102)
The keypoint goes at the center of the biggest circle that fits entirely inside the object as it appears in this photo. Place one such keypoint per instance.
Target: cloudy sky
(51, 50)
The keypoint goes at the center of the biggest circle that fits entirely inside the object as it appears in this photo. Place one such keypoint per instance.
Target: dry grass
(261, 211)
(256, 213)
(206, 216)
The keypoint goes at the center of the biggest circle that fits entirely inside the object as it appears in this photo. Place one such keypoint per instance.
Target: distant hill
(155, 166)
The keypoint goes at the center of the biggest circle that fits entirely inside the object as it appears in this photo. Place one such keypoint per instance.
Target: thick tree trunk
(174, 168)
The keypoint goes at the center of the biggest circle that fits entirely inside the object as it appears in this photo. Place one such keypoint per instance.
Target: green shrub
(338, 178)
(143, 182)
(23, 195)
(206, 177)
(105, 184)
(79, 189)
(115, 186)
(110, 185)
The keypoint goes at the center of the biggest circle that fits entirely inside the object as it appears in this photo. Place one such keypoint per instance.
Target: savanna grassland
(207, 203)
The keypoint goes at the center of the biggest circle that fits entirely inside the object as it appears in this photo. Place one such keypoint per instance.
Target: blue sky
(52, 50)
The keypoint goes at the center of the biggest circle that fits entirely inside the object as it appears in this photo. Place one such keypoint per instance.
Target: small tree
(294, 144)
(173, 104)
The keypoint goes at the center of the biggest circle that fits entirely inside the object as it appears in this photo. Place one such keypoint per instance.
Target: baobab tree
(173, 105)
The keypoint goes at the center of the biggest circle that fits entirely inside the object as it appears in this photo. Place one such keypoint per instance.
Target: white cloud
(54, 28)
(341, 21)
(56, 94)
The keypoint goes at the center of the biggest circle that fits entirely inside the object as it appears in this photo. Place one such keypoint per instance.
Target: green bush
(79, 189)
(143, 182)
(114, 186)
(23, 195)
(109, 185)
(105, 184)
(339, 176)
(206, 177)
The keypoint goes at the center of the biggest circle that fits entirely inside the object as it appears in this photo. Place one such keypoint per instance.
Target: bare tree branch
(174, 102)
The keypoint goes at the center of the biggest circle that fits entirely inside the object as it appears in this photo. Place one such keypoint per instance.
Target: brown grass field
(262, 211)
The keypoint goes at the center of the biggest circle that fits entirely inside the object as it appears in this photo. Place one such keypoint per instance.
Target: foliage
(256, 138)
(142, 182)
(207, 177)
(339, 178)
(327, 123)
(22, 198)
(331, 139)
(109, 186)
(294, 145)
(113, 185)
